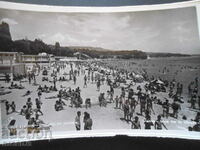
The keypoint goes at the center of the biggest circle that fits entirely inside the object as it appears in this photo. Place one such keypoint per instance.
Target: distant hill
(38, 46)
(96, 52)
(154, 54)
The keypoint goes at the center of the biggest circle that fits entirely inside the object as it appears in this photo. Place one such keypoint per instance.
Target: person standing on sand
(149, 106)
(196, 82)
(126, 110)
(176, 107)
(133, 104)
(193, 101)
(23, 110)
(120, 102)
(190, 89)
(54, 83)
(13, 106)
(92, 77)
(39, 94)
(29, 103)
(136, 123)
(88, 123)
(38, 105)
(7, 76)
(98, 85)
(85, 81)
(166, 106)
(142, 104)
(158, 124)
(85, 117)
(7, 107)
(88, 103)
(77, 121)
(74, 78)
(29, 78)
(116, 101)
(70, 75)
(147, 122)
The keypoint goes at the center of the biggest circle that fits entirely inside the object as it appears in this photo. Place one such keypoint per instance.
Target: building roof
(35, 55)
(9, 52)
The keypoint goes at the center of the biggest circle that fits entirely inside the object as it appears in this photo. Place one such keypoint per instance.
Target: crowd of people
(138, 94)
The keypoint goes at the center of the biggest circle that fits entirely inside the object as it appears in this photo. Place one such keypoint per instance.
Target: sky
(173, 31)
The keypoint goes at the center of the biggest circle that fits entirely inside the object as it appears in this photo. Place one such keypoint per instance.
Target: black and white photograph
(65, 73)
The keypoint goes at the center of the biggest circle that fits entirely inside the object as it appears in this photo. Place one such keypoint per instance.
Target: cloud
(42, 36)
(57, 37)
(168, 30)
(9, 21)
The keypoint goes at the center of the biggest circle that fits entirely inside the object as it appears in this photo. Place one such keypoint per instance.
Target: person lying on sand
(27, 93)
